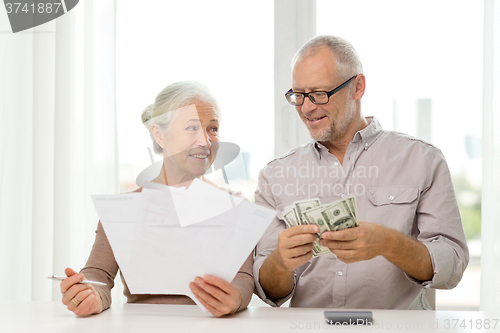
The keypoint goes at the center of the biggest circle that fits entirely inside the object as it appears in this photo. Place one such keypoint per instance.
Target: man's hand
(369, 240)
(295, 246)
(294, 249)
(363, 242)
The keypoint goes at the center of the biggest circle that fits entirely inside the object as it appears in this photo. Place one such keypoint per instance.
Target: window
(424, 64)
(226, 45)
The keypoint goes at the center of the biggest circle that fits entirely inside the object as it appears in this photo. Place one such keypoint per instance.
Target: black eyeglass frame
(328, 93)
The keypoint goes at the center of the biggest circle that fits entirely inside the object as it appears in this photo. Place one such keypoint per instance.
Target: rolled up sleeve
(440, 226)
(244, 282)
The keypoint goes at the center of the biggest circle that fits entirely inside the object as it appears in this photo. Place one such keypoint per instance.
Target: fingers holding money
(295, 245)
(365, 242)
(338, 215)
(298, 235)
(291, 259)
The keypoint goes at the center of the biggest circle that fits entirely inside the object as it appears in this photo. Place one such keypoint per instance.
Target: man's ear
(155, 129)
(360, 83)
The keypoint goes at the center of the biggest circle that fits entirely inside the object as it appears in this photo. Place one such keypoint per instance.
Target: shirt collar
(319, 149)
(367, 136)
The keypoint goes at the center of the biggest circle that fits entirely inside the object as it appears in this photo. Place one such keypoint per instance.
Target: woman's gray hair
(344, 53)
(171, 98)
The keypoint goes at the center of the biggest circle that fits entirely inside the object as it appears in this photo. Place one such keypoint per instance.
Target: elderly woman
(184, 125)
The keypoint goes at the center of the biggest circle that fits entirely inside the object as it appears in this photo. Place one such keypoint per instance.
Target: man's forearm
(274, 279)
(409, 255)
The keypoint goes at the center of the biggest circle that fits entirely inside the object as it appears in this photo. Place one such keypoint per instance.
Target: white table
(53, 317)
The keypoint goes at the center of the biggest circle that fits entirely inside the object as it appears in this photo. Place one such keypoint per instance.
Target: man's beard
(336, 130)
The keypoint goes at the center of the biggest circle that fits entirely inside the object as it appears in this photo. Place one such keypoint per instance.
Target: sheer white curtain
(57, 144)
(490, 232)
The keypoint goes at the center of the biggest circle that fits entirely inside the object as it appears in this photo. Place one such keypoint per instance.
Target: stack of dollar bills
(333, 216)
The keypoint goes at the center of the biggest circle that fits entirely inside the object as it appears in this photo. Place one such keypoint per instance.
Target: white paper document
(164, 237)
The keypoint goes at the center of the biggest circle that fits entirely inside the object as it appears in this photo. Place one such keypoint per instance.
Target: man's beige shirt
(400, 182)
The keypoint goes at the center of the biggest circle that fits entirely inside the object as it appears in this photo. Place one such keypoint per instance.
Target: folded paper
(164, 237)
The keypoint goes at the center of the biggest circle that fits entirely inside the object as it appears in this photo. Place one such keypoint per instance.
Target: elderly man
(409, 240)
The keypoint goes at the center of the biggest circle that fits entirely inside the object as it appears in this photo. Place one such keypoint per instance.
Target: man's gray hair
(344, 53)
(171, 98)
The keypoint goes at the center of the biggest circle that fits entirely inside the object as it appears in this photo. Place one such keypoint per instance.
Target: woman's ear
(155, 129)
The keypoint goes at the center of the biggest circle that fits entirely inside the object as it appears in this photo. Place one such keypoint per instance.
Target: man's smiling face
(317, 72)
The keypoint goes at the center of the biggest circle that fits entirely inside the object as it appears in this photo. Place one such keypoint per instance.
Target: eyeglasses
(316, 97)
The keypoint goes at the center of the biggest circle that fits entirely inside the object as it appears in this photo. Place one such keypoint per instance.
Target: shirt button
(391, 198)
(340, 273)
(366, 144)
(335, 164)
(343, 195)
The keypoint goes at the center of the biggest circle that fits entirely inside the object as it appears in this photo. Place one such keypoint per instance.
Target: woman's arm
(101, 266)
(244, 282)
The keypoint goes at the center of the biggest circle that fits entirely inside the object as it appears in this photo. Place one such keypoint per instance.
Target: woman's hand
(217, 295)
(82, 299)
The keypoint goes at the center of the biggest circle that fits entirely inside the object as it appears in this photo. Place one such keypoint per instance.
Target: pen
(84, 281)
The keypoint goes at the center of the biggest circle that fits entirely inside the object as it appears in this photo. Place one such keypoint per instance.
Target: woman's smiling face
(187, 143)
